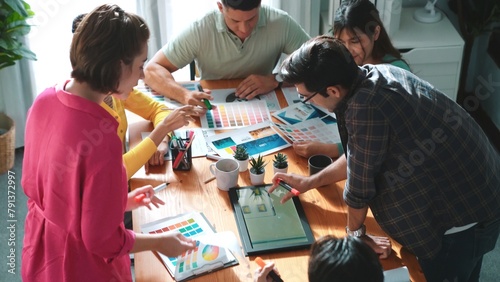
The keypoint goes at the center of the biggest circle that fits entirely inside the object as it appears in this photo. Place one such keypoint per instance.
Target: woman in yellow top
(357, 24)
(151, 150)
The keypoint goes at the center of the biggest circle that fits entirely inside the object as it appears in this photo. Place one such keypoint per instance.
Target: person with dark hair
(151, 150)
(73, 174)
(357, 24)
(240, 40)
(416, 158)
(347, 259)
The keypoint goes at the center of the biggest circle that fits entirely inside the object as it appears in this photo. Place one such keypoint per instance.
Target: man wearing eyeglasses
(413, 156)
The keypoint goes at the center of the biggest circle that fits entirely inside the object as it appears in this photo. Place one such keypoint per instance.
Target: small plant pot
(7, 143)
(256, 179)
(243, 165)
(282, 170)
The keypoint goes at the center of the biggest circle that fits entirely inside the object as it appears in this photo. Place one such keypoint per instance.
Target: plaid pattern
(416, 158)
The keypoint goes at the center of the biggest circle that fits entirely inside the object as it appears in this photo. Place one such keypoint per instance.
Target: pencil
(208, 180)
(168, 109)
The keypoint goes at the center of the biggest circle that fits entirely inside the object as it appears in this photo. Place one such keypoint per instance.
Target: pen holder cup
(186, 160)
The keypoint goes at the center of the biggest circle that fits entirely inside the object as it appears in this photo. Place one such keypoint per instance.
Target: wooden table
(324, 208)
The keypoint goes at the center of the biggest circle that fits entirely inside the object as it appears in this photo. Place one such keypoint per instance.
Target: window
(50, 36)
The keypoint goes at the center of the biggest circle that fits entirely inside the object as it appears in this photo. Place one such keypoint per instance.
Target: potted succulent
(280, 163)
(257, 170)
(241, 155)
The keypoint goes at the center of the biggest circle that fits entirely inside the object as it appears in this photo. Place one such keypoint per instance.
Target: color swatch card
(311, 130)
(204, 259)
(301, 112)
(236, 115)
(257, 139)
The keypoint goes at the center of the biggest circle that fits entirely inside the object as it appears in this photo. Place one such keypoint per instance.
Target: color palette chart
(203, 254)
(236, 115)
(190, 225)
(311, 130)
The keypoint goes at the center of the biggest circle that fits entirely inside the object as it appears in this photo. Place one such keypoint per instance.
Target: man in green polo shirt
(242, 39)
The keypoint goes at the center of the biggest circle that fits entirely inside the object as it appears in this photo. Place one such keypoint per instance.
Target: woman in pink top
(73, 173)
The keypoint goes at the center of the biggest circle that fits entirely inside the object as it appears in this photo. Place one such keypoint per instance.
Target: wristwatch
(356, 233)
(279, 79)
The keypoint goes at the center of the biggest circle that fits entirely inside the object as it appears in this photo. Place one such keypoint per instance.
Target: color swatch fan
(205, 258)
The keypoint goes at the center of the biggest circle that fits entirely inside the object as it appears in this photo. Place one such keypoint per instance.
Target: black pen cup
(181, 157)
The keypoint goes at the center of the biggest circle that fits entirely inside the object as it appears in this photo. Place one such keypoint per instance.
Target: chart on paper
(311, 130)
(236, 115)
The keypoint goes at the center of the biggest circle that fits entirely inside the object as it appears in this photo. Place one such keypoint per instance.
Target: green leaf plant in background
(13, 26)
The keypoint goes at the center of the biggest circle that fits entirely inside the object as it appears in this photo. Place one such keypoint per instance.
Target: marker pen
(273, 273)
(206, 101)
(157, 189)
(288, 187)
(213, 157)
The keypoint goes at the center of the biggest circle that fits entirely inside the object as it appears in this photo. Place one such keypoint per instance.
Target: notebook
(205, 258)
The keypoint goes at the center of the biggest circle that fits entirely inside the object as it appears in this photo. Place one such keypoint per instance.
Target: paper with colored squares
(236, 115)
(258, 139)
(204, 259)
(311, 130)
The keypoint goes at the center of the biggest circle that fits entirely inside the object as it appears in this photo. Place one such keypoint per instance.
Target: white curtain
(17, 92)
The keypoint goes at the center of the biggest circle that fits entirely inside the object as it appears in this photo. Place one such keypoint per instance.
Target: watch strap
(356, 233)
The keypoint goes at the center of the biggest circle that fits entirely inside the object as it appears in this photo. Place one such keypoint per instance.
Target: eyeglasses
(308, 98)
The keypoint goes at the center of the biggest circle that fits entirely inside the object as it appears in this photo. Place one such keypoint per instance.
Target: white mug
(226, 173)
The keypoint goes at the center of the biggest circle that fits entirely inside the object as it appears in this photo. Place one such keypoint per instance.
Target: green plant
(280, 160)
(258, 164)
(13, 26)
(241, 153)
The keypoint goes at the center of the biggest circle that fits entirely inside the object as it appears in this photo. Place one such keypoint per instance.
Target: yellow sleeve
(146, 107)
(138, 156)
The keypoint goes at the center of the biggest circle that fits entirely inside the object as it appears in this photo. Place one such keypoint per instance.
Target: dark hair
(76, 22)
(243, 5)
(363, 15)
(347, 259)
(104, 38)
(320, 62)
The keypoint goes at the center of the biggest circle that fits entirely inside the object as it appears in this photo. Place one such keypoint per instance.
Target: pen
(177, 160)
(273, 273)
(157, 189)
(208, 180)
(288, 187)
(213, 157)
(206, 101)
